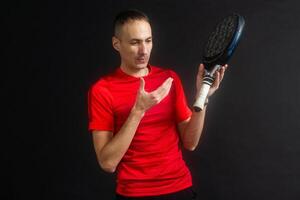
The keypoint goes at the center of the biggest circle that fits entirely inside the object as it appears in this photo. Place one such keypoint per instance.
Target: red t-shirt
(153, 164)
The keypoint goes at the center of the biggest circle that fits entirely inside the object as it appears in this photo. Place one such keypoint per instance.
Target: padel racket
(218, 50)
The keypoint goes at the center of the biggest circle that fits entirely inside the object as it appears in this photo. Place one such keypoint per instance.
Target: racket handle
(200, 100)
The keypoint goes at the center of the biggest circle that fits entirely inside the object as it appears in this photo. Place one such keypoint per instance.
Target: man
(139, 116)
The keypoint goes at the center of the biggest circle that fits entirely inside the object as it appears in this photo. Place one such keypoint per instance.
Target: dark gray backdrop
(54, 50)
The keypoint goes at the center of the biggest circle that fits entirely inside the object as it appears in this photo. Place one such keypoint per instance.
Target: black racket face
(220, 39)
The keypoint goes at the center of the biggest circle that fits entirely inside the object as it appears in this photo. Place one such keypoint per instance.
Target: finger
(222, 71)
(161, 90)
(166, 91)
(142, 85)
(225, 66)
(217, 80)
(201, 71)
(167, 84)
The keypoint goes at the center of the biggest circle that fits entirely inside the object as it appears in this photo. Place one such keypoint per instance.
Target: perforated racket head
(223, 41)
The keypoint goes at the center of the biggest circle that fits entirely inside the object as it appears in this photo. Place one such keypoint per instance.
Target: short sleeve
(183, 111)
(100, 109)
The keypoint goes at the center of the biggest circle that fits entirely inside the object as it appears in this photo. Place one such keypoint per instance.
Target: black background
(54, 50)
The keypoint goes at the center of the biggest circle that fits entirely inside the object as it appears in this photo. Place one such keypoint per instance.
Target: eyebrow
(135, 39)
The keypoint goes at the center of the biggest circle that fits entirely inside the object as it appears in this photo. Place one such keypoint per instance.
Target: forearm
(193, 130)
(113, 152)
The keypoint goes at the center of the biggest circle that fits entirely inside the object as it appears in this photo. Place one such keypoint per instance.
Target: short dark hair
(125, 16)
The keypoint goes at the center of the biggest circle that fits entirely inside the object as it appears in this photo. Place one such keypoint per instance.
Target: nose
(142, 48)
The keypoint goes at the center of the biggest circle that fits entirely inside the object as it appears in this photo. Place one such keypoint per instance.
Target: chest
(124, 98)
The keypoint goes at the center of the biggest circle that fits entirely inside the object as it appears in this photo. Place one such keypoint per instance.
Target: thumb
(142, 84)
(201, 70)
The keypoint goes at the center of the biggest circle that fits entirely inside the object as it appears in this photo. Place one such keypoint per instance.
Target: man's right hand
(111, 148)
(146, 100)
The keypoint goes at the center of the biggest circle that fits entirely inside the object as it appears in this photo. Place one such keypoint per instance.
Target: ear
(116, 43)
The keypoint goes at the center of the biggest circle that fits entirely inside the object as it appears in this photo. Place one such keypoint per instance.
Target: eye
(149, 40)
(134, 42)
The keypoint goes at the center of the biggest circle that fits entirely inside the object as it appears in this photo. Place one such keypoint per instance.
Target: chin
(141, 66)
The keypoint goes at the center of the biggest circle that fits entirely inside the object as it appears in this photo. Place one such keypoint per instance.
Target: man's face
(134, 43)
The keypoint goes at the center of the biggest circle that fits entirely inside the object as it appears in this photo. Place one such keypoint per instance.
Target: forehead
(136, 29)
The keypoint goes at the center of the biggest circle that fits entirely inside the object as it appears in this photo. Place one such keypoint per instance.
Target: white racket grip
(200, 101)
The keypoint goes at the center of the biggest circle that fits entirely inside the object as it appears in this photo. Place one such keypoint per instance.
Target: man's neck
(135, 72)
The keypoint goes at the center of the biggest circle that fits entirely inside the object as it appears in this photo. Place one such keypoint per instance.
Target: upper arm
(100, 139)
(182, 109)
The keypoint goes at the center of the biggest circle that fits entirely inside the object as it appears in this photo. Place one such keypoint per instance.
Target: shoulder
(99, 92)
(104, 81)
(101, 86)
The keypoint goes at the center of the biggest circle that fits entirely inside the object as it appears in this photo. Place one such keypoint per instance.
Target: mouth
(141, 60)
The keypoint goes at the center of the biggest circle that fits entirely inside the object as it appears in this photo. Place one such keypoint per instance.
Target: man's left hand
(218, 78)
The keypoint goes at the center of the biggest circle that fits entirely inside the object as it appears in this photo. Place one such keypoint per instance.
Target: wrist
(137, 111)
